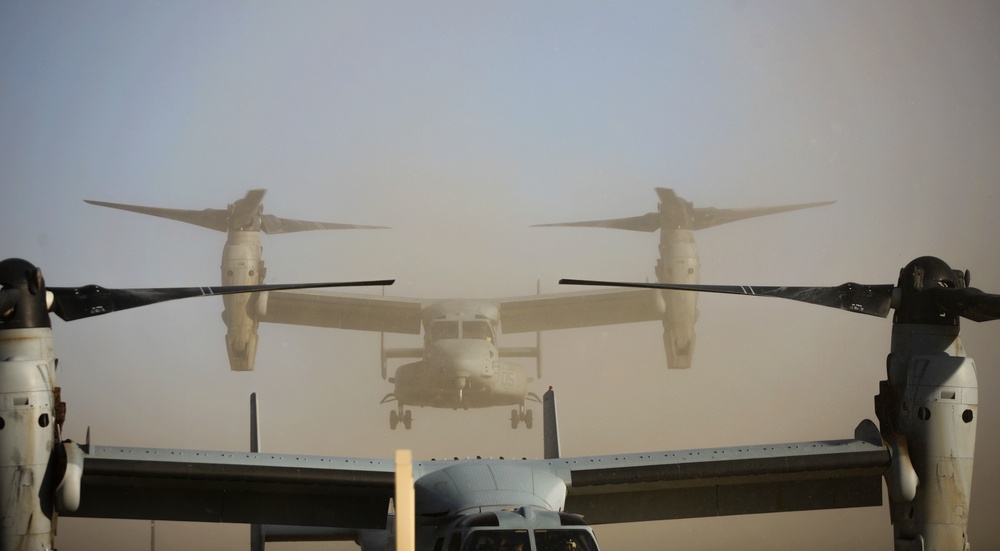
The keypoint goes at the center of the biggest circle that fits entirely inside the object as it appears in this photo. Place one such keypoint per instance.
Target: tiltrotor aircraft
(928, 404)
(243, 221)
(32, 459)
(460, 364)
(927, 409)
(677, 220)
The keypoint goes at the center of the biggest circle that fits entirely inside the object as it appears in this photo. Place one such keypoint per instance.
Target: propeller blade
(213, 219)
(873, 300)
(968, 302)
(271, 224)
(73, 303)
(649, 222)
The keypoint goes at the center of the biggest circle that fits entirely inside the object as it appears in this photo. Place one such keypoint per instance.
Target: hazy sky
(460, 125)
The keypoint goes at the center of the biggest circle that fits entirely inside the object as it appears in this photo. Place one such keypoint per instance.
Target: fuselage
(495, 505)
(461, 364)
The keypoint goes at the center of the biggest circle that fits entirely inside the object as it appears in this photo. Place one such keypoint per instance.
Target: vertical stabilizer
(254, 426)
(550, 427)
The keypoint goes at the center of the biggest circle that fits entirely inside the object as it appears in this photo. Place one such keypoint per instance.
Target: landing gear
(521, 415)
(400, 416)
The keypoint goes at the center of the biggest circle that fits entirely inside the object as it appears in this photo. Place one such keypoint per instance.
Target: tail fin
(550, 427)
(257, 531)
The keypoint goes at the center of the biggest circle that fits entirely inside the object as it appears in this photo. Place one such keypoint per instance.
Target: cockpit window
(564, 540)
(477, 329)
(498, 540)
(443, 329)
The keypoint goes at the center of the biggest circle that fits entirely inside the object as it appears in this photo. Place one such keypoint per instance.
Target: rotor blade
(271, 224)
(93, 300)
(968, 302)
(708, 217)
(873, 300)
(8, 299)
(213, 219)
(649, 222)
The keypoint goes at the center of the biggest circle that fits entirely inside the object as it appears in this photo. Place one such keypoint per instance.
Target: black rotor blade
(873, 300)
(968, 302)
(73, 303)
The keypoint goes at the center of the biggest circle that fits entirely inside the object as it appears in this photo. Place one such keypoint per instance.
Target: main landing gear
(521, 415)
(400, 416)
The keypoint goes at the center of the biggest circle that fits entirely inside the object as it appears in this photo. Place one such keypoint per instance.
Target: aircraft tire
(515, 419)
(528, 418)
(393, 419)
(407, 419)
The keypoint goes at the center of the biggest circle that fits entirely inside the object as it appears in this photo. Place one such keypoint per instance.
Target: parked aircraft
(243, 221)
(31, 410)
(928, 404)
(927, 409)
(677, 220)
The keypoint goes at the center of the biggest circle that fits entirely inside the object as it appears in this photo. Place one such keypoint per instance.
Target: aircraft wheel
(515, 419)
(393, 419)
(407, 419)
(528, 418)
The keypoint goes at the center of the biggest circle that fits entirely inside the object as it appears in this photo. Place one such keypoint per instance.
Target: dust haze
(460, 126)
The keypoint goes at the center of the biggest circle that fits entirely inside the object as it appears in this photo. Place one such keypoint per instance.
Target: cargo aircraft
(459, 366)
(927, 409)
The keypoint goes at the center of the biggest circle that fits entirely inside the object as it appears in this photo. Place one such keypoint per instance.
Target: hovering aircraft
(31, 409)
(460, 364)
(924, 450)
(928, 404)
(677, 220)
(243, 221)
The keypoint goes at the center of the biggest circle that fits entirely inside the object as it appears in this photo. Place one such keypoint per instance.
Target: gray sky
(459, 125)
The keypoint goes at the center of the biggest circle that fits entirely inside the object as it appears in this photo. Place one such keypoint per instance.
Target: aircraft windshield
(564, 540)
(517, 540)
(443, 329)
(477, 329)
(498, 540)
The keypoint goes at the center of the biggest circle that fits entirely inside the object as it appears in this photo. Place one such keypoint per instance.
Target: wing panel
(579, 309)
(186, 485)
(344, 311)
(727, 481)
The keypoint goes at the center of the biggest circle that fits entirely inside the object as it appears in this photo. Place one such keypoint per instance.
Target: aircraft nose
(466, 359)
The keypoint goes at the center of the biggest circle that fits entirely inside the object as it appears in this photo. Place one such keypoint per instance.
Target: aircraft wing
(578, 309)
(237, 487)
(344, 311)
(728, 481)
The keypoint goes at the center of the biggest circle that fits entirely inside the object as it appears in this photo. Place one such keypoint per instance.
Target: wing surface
(578, 309)
(728, 481)
(344, 311)
(237, 487)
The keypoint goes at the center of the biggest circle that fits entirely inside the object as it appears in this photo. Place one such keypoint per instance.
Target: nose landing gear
(521, 415)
